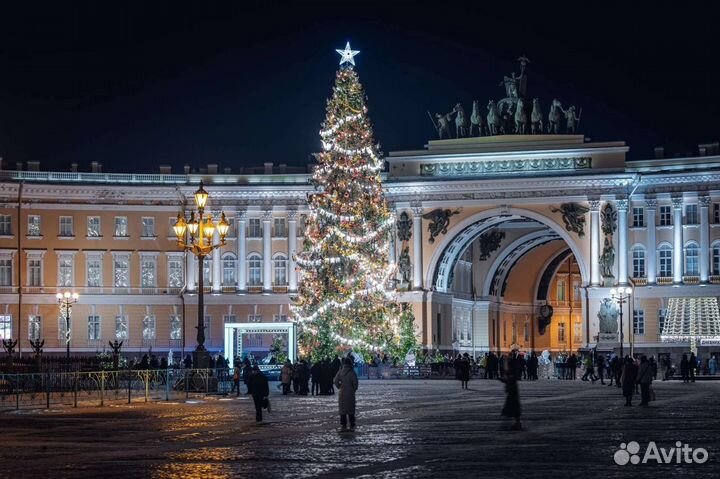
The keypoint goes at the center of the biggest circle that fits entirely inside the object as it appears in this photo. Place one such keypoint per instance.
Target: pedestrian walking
(347, 383)
(614, 365)
(512, 399)
(712, 365)
(644, 379)
(629, 375)
(258, 384)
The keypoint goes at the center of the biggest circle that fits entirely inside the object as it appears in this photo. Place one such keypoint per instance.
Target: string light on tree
(346, 297)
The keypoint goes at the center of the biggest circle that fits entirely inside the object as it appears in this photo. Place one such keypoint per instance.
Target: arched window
(254, 264)
(665, 261)
(638, 262)
(228, 269)
(716, 258)
(692, 259)
(280, 266)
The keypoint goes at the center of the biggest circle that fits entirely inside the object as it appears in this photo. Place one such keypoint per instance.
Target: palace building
(490, 232)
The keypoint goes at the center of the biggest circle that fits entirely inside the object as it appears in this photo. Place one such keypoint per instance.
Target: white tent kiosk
(233, 342)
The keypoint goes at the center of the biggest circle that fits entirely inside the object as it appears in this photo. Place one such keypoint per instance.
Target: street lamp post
(66, 300)
(200, 244)
(621, 295)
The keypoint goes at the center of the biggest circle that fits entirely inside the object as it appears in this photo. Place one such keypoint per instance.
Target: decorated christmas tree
(345, 297)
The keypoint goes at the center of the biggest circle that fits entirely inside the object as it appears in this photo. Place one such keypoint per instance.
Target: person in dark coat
(685, 368)
(644, 379)
(315, 377)
(629, 376)
(611, 370)
(258, 384)
(303, 377)
(601, 369)
(532, 366)
(693, 364)
(327, 377)
(463, 370)
(512, 400)
(347, 383)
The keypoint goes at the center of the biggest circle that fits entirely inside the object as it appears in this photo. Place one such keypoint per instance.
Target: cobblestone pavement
(407, 429)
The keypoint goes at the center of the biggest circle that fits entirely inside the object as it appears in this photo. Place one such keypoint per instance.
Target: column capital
(594, 205)
(241, 215)
(704, 201)
(417, 211)
(292, 215)
(622, 205)
(267, 215)
(677, 202)
(651, 203)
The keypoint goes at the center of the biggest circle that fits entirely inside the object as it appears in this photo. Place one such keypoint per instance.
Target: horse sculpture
(555, 116)
(493, 118)
(536, 122)
(520, 117)
(476, 119)
(460, 121)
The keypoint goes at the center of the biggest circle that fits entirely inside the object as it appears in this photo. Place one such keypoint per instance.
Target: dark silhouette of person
(512, 407)
(685, 368)
(258, 384)
(629, 376)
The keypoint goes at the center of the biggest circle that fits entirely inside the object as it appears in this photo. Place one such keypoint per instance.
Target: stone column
(292, 250)
(216, 265)
(622, 208)
(417, 249)
(595, 242)
(651, 246)
(267, 251)
(241, 251)
(704, 240)
(677, 240)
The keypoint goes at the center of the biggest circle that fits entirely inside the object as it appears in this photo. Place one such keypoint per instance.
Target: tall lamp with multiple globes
(199, 242)
(66, 300)
(621, 295)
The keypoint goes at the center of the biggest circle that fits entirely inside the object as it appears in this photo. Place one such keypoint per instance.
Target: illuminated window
(638, 263)
(692, 256)
(93, 227)
(639, 321)
(33, 225)
(665, 261)
(561, 332)
(94, 328)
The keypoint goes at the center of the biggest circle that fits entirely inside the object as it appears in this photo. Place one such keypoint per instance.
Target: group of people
(324, 375)
(295, 377)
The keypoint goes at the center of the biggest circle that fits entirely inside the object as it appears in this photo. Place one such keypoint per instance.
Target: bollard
(76, 389)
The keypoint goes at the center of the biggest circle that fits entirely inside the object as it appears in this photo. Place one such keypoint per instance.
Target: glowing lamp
(193, 224)
(223, 226)
(201, 196)
(208, 227)
(180, 227)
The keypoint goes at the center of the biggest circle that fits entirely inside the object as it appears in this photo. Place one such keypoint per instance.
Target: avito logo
(681, 453)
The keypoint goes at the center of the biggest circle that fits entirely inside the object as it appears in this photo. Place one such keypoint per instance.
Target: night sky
(134, 86)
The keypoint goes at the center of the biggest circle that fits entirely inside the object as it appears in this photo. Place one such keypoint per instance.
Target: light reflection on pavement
(407, 429)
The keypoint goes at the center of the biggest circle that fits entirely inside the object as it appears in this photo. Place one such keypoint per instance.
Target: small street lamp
(621, 295)
(200, 244)
(66, 300)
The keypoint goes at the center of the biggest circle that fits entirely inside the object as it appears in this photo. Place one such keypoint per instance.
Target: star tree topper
(346, 56)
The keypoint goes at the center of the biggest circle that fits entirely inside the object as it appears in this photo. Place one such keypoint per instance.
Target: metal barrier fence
(98, 388)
